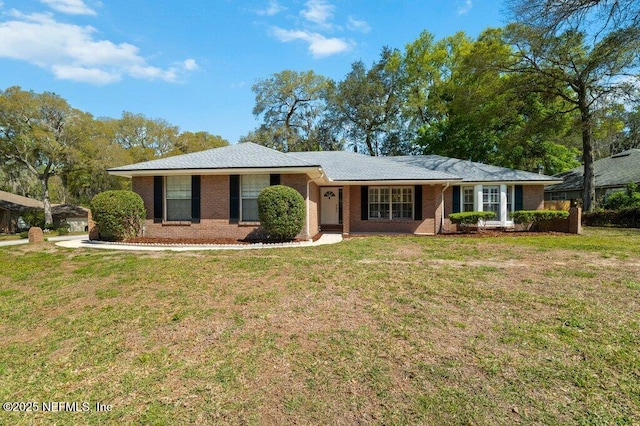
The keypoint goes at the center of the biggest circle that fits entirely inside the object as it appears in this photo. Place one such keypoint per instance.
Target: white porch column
(478, 198)
(503, 205)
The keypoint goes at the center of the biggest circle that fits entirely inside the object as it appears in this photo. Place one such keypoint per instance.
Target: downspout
(442, 209)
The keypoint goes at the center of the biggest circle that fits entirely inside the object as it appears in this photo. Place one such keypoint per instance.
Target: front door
(330, 206)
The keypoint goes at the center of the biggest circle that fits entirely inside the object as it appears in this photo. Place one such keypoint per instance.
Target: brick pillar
(575, 220)
(346, 209)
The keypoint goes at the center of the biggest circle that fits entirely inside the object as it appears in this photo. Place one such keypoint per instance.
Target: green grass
(383, 330)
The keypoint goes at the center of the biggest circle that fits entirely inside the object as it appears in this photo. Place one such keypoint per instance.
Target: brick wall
(533, 197)
(428, 224)
(214, 210)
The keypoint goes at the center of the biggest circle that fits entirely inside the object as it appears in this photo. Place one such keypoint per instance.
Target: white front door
(329, 206)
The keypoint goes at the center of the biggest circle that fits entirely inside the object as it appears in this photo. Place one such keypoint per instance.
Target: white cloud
(85, 75)
(273, 9)
(319, 45)
(190, 65)
(72, 7)
(70, 51)
(357, 25)
(319, 12)
(464, 9)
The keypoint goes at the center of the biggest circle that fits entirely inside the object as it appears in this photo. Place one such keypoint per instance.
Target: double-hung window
(250, 188)
(468, 199)
(491, 200)
(391, 203)
(178, 196)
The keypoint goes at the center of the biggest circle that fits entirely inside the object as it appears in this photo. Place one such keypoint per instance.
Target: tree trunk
(589, 194)
(48, 217)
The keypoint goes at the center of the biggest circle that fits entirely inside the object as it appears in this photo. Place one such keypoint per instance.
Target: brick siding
(214, 210)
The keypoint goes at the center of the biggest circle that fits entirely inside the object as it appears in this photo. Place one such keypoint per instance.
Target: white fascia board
(508, 182)
(391, 182)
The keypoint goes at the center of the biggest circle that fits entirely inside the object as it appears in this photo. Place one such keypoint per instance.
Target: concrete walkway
(62, 238)
(85, 243)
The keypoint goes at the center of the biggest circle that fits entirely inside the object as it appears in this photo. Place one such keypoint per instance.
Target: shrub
(281, 211)
(627, 218)
(63, 229)
(467, 219)
(24, 234)
(529, 218)
(630, 197)
(118, 214)
(34, 217)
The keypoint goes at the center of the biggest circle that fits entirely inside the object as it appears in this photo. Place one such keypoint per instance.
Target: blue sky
(193, 62)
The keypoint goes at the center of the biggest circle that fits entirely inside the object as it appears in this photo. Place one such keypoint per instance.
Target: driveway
(62, 238)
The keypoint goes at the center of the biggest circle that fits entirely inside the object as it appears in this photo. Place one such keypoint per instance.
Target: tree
(291, 105)
(462, 104)
(37, 133)
(586, 75)
(367, 106)
(85, 174)
(602, 15)
(145, 138)
(188, 142)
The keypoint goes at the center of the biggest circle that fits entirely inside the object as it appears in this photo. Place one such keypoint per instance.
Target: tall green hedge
(118, 214)
(281, 211)
(529, 218)
(626, 218)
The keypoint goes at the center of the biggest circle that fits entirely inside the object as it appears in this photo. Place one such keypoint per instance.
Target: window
(402, 203)
(250, 188)
(391, 203)
(379, 203)
(558, 196)
(468, 199)
(178, 196)
(491, 200)
(509, 200)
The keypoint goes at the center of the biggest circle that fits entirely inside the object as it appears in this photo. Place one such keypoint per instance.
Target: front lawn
(384, 330)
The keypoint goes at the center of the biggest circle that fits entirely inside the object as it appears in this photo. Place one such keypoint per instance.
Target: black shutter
(195, 199)
(417, 202)
(234, 198)
(158, 197)
(519, 198)
(364, 203)
(274, 179)
(456, 199)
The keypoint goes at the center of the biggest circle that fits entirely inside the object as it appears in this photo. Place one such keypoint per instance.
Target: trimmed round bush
(281, 211)
(118, 215)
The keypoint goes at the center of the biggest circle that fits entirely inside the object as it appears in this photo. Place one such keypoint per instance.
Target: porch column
(503, 205)
(346, 209)
(478, 190)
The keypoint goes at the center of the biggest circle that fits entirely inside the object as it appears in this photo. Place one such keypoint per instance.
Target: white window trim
(165, 203)
(478, 203)
(390, 217)
(242, 220)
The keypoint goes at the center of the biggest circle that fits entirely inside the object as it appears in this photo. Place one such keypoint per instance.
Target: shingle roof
(338, 166)
(615, 171)
(471, 171)
(349, 166)
(238, 156)
(13, 202)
